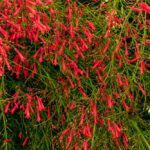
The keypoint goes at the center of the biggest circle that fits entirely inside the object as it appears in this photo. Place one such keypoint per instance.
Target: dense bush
(74, 74)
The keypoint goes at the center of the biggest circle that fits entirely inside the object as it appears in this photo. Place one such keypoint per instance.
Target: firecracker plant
(75, 74)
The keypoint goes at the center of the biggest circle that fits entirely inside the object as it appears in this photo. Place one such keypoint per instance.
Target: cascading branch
(100, 70)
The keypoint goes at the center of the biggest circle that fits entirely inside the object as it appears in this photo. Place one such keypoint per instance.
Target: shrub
(74, 74)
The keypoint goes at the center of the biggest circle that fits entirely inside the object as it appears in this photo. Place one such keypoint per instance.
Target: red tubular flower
(142, 90)
(55, 59)
(12, 111)
(69, 140)
(126, 48)
(54, 46)
(38, 117)
(110, 18)
(145, 7)
(77, 134)
(74, 66)
(22, 58)
(71, 29)
(118, 144)
(30, 3)
(71, 83)
(69, 17)
(21, 46)
(3, 52)
(107, 34)
(38, 2)
(18, 69)
(26, 112)
(41, 55)
(96, 64)
(137, 51)
(45, 51)
(91, 25)
(126, 107)
(116, 131)
(25, 141)
(83, 44)
(7, 64)
(15, 97)
(125, 141)
(81, 90)
(5, 34)
(136, 9)
(31, 109)
(82, 119)
(117, 95)
(27, 107)
(79, 82)
(132, 60)
(101, 121)
(94, 111)
(109, 125)
(118, 47)
(30, 36)
(147, 42)
(40, 104)
(142, 67)
(63, 64)
(119, 59)
(87, 73)
(110, 102)
(48, 113)
(7, 107)
(36, 54)
(64, 132)
(1, 67)
(148, 28)
(76, 46)
(147, 65)
(106, 47)
(7, 140)
(87, 131)
(117, 20)
(38, 25)
(29, 96)
(85, 145)
(62, 47)
(119, 79)
(125, 82)
(34, 70)
(4, 17)
(20, 135)
(48, 2)
(79, 53)
(71, 105)
(88, 34)
(130, 96)
(25, 70)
